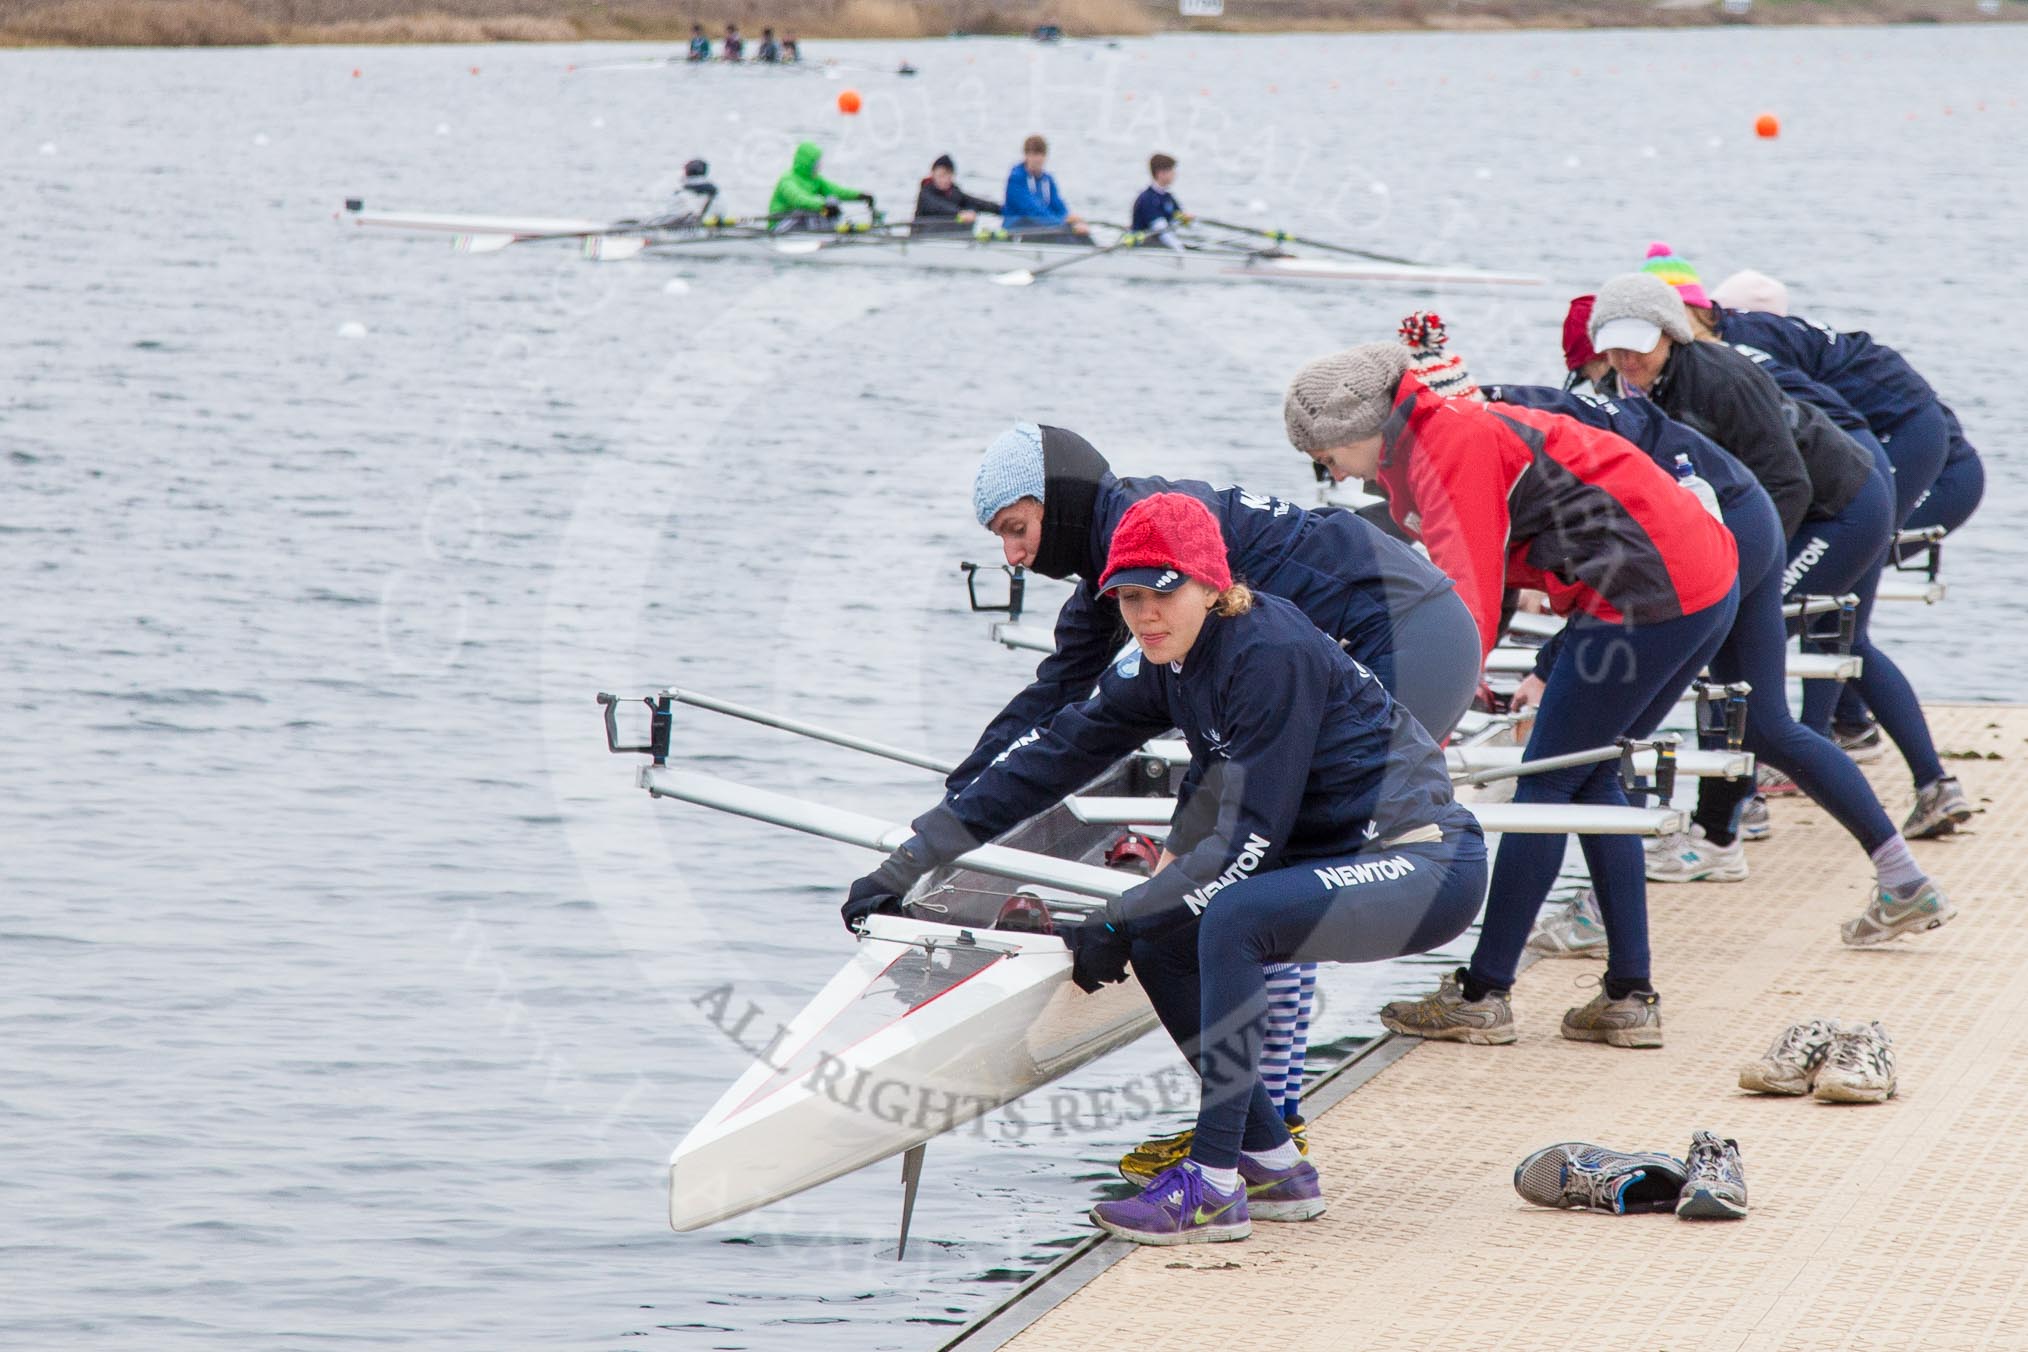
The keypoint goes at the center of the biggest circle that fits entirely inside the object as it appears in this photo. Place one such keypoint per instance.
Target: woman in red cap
(1320, 828)
(1509, 497)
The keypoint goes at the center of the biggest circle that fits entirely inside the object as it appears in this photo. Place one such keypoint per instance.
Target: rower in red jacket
(1513, 497)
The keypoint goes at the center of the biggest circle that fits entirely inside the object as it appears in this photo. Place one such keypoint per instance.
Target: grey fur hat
(1634, 309)
(1345, 397)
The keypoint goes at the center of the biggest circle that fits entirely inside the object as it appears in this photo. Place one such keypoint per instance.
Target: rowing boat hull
(937, 253)
(903, 1045)
(937, 1020)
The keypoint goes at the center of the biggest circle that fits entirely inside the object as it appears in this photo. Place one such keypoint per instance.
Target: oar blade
(614, 248)
(1018, 277)
(798, 248)
(482, 244)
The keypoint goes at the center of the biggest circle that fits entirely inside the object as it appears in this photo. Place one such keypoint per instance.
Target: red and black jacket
(1516, 497)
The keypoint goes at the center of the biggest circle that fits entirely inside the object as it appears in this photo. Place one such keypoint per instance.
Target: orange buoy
(475, 70)
(355, 72)
(1767, 126)
(848, 101)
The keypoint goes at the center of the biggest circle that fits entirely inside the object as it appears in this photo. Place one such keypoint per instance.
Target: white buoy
(260, 138)
(352, 328)
(443, 129)
(1377, 188)
(1257, 207)
(732, 117)
(1648, 152)
(47, 147)
(598, 122)
(1715, 142)
(1482, 173)
(675, 286)
(1570, 161)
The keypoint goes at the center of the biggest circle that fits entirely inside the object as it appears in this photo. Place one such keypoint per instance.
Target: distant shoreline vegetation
(239, 23)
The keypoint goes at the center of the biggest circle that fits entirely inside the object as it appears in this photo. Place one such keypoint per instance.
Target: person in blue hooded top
(1319, 827)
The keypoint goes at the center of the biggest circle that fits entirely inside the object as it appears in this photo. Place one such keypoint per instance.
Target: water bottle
(1688, 477)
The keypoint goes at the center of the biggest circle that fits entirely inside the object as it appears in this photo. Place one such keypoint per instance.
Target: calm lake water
(349, 990)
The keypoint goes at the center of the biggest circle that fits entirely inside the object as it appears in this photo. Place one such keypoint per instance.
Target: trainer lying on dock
(1319, 827)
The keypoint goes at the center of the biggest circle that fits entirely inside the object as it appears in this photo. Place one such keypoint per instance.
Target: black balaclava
(1071, 470)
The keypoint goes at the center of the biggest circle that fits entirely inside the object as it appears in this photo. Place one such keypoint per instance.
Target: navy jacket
(1155, 204)
(1872, 377)
(1350, 578)
(1297, 751)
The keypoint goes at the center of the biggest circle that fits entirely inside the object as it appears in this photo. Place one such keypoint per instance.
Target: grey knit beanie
(1649, 302)
(1345, 397)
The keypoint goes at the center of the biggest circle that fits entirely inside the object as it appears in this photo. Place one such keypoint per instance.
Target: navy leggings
(1917, 445)
(1206, 981)
(1608, 681)
(1846, 554)
(1949, 503)
(1756, 651)
(1431, 662)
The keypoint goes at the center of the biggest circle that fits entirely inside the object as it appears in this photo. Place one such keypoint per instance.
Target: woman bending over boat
(1055, 504)
(1511, 497)
(1318, 826)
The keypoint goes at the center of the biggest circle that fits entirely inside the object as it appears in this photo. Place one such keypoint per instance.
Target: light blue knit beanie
(1011, 471)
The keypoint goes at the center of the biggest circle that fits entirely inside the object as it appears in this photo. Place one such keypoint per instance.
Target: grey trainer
(1790, 1066)
(1755, 823)
(1888, 916)
(1939, 809)
(1573, 929)
(1862, 743)
(1860, 1067)
(1633, 1022)
(1575, 1176)
(1446, 1015)
(1716, 1187)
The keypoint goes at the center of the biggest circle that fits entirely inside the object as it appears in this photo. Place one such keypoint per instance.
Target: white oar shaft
(810, 730)
(853, 828)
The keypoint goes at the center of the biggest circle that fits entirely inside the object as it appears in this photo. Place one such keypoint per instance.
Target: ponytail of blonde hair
(1234, 600)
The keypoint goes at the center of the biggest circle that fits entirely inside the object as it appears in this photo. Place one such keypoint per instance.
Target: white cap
(1750, 290)
(1632, 335)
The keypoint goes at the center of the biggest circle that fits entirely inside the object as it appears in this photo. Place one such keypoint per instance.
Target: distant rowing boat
(899, 247)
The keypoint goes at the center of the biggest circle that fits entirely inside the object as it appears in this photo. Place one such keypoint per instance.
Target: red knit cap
(1577, 348)
(1164, 539)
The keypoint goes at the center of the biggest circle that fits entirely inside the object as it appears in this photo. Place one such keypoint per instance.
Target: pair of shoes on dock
(1837, 1062)
(1181, 1205)
(1709, 1185)
(1446, 1015)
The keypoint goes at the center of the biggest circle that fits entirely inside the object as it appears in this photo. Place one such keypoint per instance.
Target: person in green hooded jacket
(804, 192)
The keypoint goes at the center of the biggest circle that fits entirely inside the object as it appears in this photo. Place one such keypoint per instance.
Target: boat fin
(911, 1175)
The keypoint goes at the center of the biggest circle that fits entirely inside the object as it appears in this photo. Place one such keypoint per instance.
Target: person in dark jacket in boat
(1510, 497)
(700, 45)
(769, 52)
(1322, 829)
(1157, 213)
(1033, 204)
(942, 206)
(733, 48)
(1642, 324)
(1055, 503)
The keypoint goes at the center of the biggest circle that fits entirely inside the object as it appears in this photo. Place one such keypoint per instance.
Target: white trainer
(1690, 857)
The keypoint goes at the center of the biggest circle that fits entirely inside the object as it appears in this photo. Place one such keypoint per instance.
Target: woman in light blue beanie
(1011, 471)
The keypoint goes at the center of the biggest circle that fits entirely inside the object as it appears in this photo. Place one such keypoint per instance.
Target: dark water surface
(348, 989)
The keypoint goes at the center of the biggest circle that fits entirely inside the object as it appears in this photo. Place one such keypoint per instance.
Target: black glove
(831, 209)
(867, 895)
(1098, 954)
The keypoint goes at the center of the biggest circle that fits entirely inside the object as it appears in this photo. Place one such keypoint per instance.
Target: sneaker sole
(1717, 873)
(1754, 1082)
(1477, 1037)
(1943, 826)
(1142, 1178)
(1702, 1204)
(1203, 1234)
(1831, 1091)
(1617, 1037)
(1913, 925)
(1307, 1209)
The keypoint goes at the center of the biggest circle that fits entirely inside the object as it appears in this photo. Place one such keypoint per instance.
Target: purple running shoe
(1178, 1207)
(1291, 1194)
